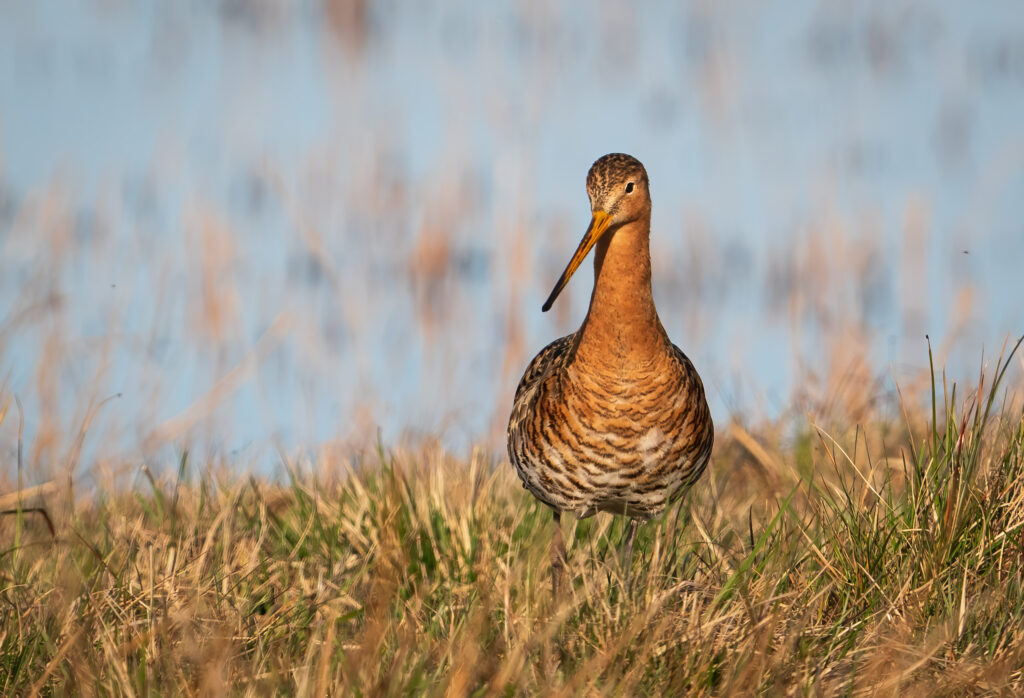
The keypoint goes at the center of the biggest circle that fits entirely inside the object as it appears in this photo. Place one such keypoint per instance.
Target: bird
(613, 417)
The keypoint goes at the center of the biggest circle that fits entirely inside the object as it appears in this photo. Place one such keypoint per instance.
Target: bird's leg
(627, 551)
(557, 554)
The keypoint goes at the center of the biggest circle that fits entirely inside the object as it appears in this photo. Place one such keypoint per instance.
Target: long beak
(598, 225)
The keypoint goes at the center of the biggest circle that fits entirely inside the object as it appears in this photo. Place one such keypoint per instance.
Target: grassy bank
(879, 557)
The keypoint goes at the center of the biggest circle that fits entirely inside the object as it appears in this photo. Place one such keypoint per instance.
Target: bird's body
(612, 417)
(624, 440)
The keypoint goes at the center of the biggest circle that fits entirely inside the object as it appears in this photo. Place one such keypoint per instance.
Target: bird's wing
(551, 356)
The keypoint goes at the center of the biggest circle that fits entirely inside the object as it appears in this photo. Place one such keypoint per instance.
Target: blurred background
(249, 226)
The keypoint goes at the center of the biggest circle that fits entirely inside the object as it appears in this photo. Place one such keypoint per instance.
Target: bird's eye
(629, 188)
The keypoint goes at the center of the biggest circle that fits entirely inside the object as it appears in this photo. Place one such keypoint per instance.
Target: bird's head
(619, 193)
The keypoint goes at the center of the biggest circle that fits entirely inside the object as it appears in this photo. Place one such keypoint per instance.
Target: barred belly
(585, 441)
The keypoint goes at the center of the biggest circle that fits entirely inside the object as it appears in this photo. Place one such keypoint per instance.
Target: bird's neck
(622, 325)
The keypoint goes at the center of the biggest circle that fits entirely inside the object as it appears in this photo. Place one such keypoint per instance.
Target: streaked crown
(610, 172)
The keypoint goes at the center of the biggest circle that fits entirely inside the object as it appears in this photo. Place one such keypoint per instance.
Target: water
(274, 223)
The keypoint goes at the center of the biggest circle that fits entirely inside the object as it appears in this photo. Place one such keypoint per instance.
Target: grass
(881, 558)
